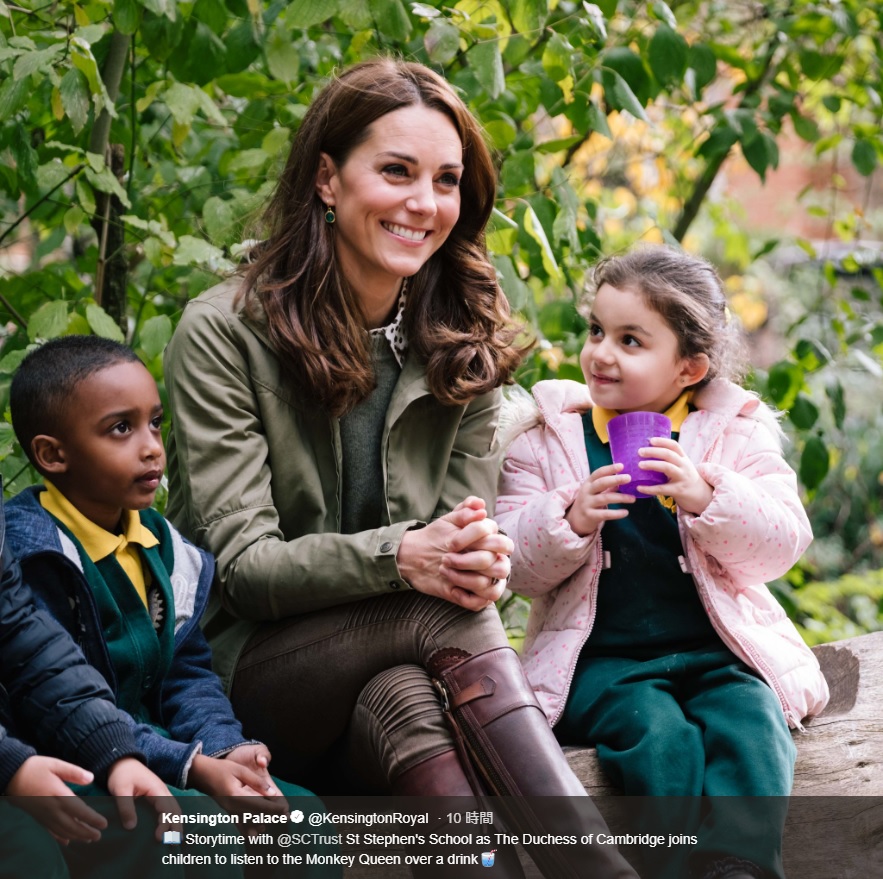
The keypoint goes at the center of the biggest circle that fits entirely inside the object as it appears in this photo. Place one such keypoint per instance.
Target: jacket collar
(410, 386)
(29, 528)
(717, 404)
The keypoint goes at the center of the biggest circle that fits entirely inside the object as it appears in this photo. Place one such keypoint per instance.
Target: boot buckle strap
(483, 687)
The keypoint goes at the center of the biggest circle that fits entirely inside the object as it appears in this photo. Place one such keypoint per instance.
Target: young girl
(652, 635)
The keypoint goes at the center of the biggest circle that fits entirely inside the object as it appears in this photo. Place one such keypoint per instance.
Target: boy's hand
(589, 510)
(40, 789)
(236, 787)
(690, 491)
(257, 758)
(130, 778)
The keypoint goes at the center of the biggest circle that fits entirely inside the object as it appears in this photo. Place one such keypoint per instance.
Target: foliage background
(138, 138)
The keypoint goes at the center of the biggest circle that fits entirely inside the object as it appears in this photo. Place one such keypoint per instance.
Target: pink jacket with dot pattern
(753, 531)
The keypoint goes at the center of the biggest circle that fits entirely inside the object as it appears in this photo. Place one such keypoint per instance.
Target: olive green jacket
(255, 474)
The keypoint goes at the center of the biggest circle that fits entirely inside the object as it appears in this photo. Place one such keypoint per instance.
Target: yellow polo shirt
(99, 543)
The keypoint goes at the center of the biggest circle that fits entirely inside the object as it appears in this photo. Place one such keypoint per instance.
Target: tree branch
(712, 168)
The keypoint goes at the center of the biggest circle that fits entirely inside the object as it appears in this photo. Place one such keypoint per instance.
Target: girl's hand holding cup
(689, 490)
(590, 508)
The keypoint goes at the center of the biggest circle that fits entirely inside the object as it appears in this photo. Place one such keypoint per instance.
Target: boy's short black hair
(47, 378)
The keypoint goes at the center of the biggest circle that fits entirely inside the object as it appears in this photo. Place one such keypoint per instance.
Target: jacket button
(386, 546)
(394, 585)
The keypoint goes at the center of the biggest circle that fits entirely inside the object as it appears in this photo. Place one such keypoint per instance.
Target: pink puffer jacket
(753, 531)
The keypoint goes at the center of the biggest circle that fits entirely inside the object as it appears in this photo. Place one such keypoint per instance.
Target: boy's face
(110, 456)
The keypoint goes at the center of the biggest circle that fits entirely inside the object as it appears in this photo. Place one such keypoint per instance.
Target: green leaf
(501, 233)
(74, 90)
(534, 228)
(620, 96)
(424, 11)
(558, 58)
(803, 413)
(242, 46)
(14, 94)
(486, 61)
(529, 16)
(11, 361)
(74, 218)
(182, 101)
(219, 220)
(276, 141)
(809, 355)
(196, 251)
(806, 128)
(155, 334)
(703, 63)
(105, 181)
(556, 146)
(598, 120)
(814, 463)
(82, 58)
(517, 292)
(835, 394)
(630, 67)
(667, 54)
(283, 58)
(596, 19)
(663, 12)
(306, 13)
(25, 156)
(783, 383)
(36, 61)
(558, 318)
(391, 18)
(441, 41)
(9, 181)
(814, 64)
(761, 152)
(864, 157)
(832, 103)
(103, 324)
(49, 321)
(355, 14)
(126, 16)
(502, 132)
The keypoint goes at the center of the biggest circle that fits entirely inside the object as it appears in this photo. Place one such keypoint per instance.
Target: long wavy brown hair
(457, 319)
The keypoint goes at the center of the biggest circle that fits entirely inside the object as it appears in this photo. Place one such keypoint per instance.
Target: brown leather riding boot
(492, 707)
(444, 776)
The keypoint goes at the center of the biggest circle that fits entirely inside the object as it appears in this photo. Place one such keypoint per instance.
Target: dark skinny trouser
(306, 686)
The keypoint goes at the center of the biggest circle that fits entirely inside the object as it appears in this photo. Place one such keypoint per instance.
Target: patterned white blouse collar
(394, 332)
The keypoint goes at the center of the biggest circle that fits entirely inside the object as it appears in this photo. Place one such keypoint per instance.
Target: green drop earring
(330, 216)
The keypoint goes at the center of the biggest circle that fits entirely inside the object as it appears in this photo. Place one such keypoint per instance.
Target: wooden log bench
(834, 828)
(835, 821)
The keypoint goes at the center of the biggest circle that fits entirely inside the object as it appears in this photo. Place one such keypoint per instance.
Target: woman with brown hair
(335, 410)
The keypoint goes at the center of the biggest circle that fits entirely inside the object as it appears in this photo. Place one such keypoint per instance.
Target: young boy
(49, 694)
(116, 574)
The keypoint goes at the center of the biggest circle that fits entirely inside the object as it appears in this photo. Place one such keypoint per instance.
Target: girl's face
(396, 197)
(630, 359)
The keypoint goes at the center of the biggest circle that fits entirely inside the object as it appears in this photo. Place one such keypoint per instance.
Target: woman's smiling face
(396, 197)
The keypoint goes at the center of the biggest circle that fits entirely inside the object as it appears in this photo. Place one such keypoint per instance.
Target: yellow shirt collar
(95, 540)
(677, 412)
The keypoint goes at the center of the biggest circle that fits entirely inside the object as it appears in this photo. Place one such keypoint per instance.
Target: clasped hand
(461, 557)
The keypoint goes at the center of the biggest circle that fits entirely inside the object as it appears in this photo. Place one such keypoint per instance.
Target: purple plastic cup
(628, 433)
